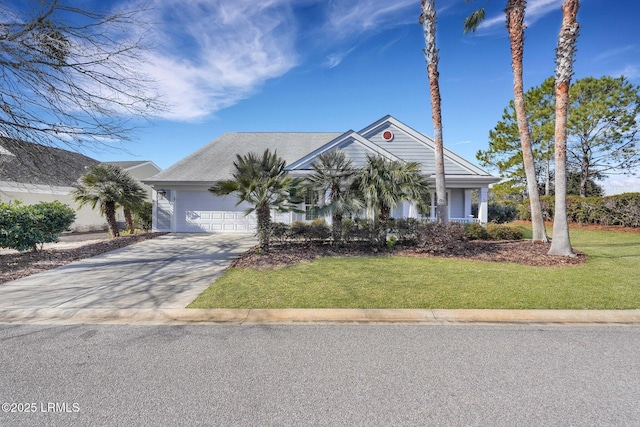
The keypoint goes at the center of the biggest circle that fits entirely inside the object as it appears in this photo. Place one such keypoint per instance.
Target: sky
(335, 65)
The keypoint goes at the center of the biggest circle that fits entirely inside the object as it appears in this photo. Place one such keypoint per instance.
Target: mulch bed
(522, 252)
(16, 265)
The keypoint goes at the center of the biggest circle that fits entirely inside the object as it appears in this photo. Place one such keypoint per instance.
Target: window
(310, 205)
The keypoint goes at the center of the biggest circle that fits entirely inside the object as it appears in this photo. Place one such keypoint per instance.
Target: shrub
(24, 227)
(359, 229)
(279, 232)
(298, 230)
(143, 216)
(434, 237)
(501, 213)
(406, 230)
(503, 232)
(621, 209)
(475, 231)
(319, 230)
(316, 230)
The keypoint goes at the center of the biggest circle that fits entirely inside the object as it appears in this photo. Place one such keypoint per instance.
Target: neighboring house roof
(127, 165)
(214, 161)
(29, 163)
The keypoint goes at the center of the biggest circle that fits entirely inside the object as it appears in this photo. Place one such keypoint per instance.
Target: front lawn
(610, 279)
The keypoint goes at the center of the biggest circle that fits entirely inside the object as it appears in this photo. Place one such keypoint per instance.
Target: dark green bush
(24, 227)
(315, 230)
(279, 232)
(503, 232)
(319, 230)
(405, 230)
(500, 213)
(298, 230)
(621, 209)
(143, 216)
(359, 229)
(475, 231)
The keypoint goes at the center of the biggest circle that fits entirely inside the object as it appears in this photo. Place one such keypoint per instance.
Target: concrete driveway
(163, 273)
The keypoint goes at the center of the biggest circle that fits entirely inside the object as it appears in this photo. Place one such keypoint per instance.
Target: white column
(483, 209)
(433, 206)
(467, 203)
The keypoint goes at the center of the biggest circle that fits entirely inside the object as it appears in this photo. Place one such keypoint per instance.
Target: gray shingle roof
(214, 161)
(127, 164)
(29, 163)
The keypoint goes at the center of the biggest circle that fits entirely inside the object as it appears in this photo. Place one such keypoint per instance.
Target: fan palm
(428, 21)
(515, 11)
(262, 181)
(384, 184)
(107, 187)
(565, 54)
(332, 181)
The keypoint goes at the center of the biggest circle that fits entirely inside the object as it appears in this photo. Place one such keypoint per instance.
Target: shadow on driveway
(166, 272)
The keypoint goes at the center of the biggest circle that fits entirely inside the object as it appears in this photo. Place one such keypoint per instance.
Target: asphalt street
(321, 375)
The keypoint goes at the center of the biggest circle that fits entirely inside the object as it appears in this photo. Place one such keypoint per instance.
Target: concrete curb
(316, 316)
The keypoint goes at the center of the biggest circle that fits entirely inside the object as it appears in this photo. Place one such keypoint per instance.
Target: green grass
(609, 280)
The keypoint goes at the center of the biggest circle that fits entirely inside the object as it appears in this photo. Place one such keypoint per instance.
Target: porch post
(483, 209)
(467, 203)
(432, 216)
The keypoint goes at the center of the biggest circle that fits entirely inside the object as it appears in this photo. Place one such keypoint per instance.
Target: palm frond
(473, 21)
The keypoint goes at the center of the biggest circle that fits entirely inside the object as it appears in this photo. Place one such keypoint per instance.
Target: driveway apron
(166, 272)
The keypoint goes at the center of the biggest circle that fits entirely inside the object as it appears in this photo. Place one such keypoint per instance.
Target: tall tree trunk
(383, 224)
(547, 178)
(561, 244)
(110, 214)
(515, 24)
(129, 220)
(584, 176)
(263, 212)
(336, 228)
(428, 21)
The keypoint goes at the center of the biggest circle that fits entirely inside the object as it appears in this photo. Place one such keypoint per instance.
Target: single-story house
(182, 202)
(34, 173)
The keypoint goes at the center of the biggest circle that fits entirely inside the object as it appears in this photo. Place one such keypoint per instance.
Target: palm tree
(133, 198)
(428, 21)
(262, 181)
(561, 244)
(515, 25)
(384, 183)
(332, 181)
(108, 186)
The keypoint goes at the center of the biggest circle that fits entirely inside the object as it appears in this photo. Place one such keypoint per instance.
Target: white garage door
(201, 211)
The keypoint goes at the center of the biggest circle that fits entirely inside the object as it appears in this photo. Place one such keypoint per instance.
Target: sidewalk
(317, 316)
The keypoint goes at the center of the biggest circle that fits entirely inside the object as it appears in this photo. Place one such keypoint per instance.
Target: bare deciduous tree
(71, 77)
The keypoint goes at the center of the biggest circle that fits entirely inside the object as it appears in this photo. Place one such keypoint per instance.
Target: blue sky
(335, 65)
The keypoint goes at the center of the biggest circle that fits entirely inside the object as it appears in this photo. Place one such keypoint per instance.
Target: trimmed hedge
(621, 209)
(24, 227)
(427, 235)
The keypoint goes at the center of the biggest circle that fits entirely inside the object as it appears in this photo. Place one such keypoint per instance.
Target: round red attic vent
(387, 135)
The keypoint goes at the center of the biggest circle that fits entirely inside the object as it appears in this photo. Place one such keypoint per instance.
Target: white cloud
(350, 18)
(211, 54)
(621, 184)
(334, 59)
(631, 72)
